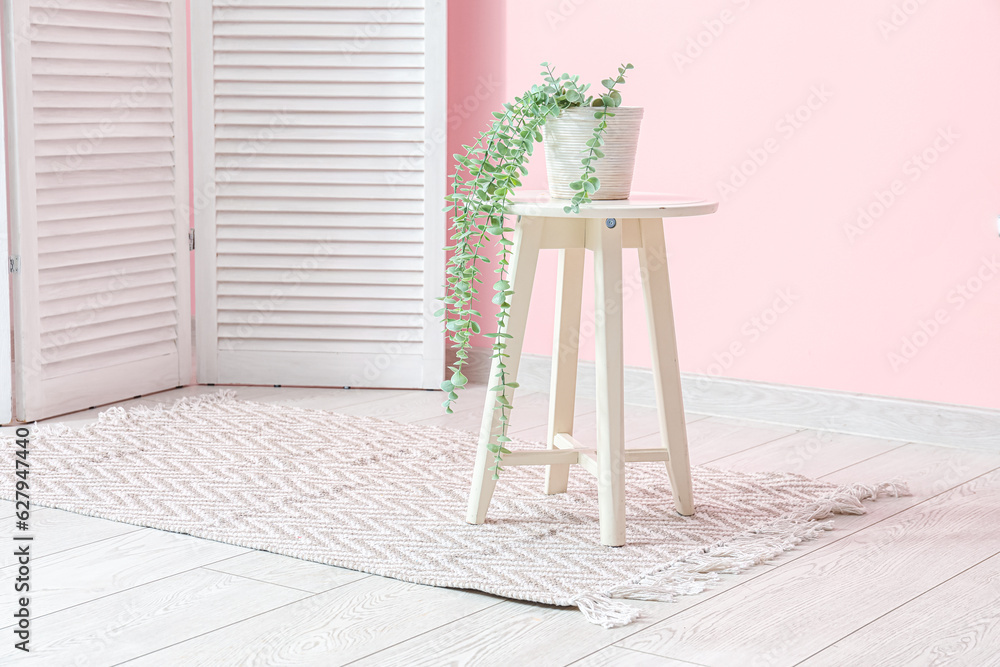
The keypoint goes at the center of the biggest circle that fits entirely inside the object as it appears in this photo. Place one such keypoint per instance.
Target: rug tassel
(119, 416)
(692, 573)
(602, 610)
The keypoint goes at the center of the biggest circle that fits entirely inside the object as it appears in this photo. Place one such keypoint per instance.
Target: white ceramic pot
(566, 142)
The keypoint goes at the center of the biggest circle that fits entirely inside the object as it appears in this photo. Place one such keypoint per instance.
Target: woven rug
(389, 499)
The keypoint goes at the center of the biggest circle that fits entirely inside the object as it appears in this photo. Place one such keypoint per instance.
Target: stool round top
(640, 205)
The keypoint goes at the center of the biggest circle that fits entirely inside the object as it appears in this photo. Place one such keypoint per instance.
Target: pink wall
(905, 303)
(477, 66)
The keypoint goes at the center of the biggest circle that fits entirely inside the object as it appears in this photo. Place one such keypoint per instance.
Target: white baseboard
(802, 407)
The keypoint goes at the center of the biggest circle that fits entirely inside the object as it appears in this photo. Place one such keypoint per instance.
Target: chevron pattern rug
(389, 499)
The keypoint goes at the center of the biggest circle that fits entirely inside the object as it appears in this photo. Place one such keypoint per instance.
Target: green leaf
(608, 83)
(446, 385)
(459, 380)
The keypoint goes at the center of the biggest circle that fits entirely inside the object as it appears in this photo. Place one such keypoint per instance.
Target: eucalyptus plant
(484, 180)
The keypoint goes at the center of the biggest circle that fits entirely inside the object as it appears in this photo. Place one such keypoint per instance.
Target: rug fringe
(692, 573)
(602, 610)
(119, 416)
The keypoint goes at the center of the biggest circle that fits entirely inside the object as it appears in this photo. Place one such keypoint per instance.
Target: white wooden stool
(604, 228)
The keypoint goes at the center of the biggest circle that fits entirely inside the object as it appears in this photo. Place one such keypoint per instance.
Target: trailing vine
(493, 166)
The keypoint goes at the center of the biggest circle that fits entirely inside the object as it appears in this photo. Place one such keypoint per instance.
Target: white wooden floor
(914, 582)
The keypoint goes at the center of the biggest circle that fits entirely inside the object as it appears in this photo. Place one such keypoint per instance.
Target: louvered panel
(321, 347)
(321, 176)
(288, 120)
(316, 191)
(90, 70)
(317, 319)
(110, 192)
(85, 52)
(151, 357)
(160, 8)
(55, 350)
(110, 314)
(331, 305)
(101, 240)
(277, 14)
(304, 32)
(325, 75)
(318, 147)
(71, 16)
(330, 220)
(376, 251)
(332, 235)
(344, 58)
(316, 137)
(343, 44)
(118, 294)
(54, 228)
(118, 329)
(276, 105)
(96, 287)
(386, 166)
(80, 178)
(311, 133)
(104, 146)
(103, 101)
(320, 290)
(65, 164)
(109, 268)
(96, 209)
(101, 115)
(87, 131)
(278, 276)
(325, 333)
(104, 39)
(227, 5)
(314, 263)
(293, 205)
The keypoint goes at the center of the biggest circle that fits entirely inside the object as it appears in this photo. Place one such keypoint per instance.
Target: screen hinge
(14, 263)
(191, 239)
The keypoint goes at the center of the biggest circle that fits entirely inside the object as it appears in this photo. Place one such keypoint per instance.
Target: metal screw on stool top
(611, 222)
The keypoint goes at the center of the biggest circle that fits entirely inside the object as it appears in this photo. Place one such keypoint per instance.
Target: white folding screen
(6, 386)
(319, 132)
(96, 106)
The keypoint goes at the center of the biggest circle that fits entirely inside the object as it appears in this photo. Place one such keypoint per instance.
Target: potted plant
(578, 139)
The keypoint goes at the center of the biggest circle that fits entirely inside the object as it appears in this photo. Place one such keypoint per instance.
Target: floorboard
(286, 571)
(331, 628)
(917, 633)
(74, 576)
(130, 623)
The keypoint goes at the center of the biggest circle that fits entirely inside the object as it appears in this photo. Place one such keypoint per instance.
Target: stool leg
(610, 370)
(521, 275)
(565, 351)
(666, 370)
